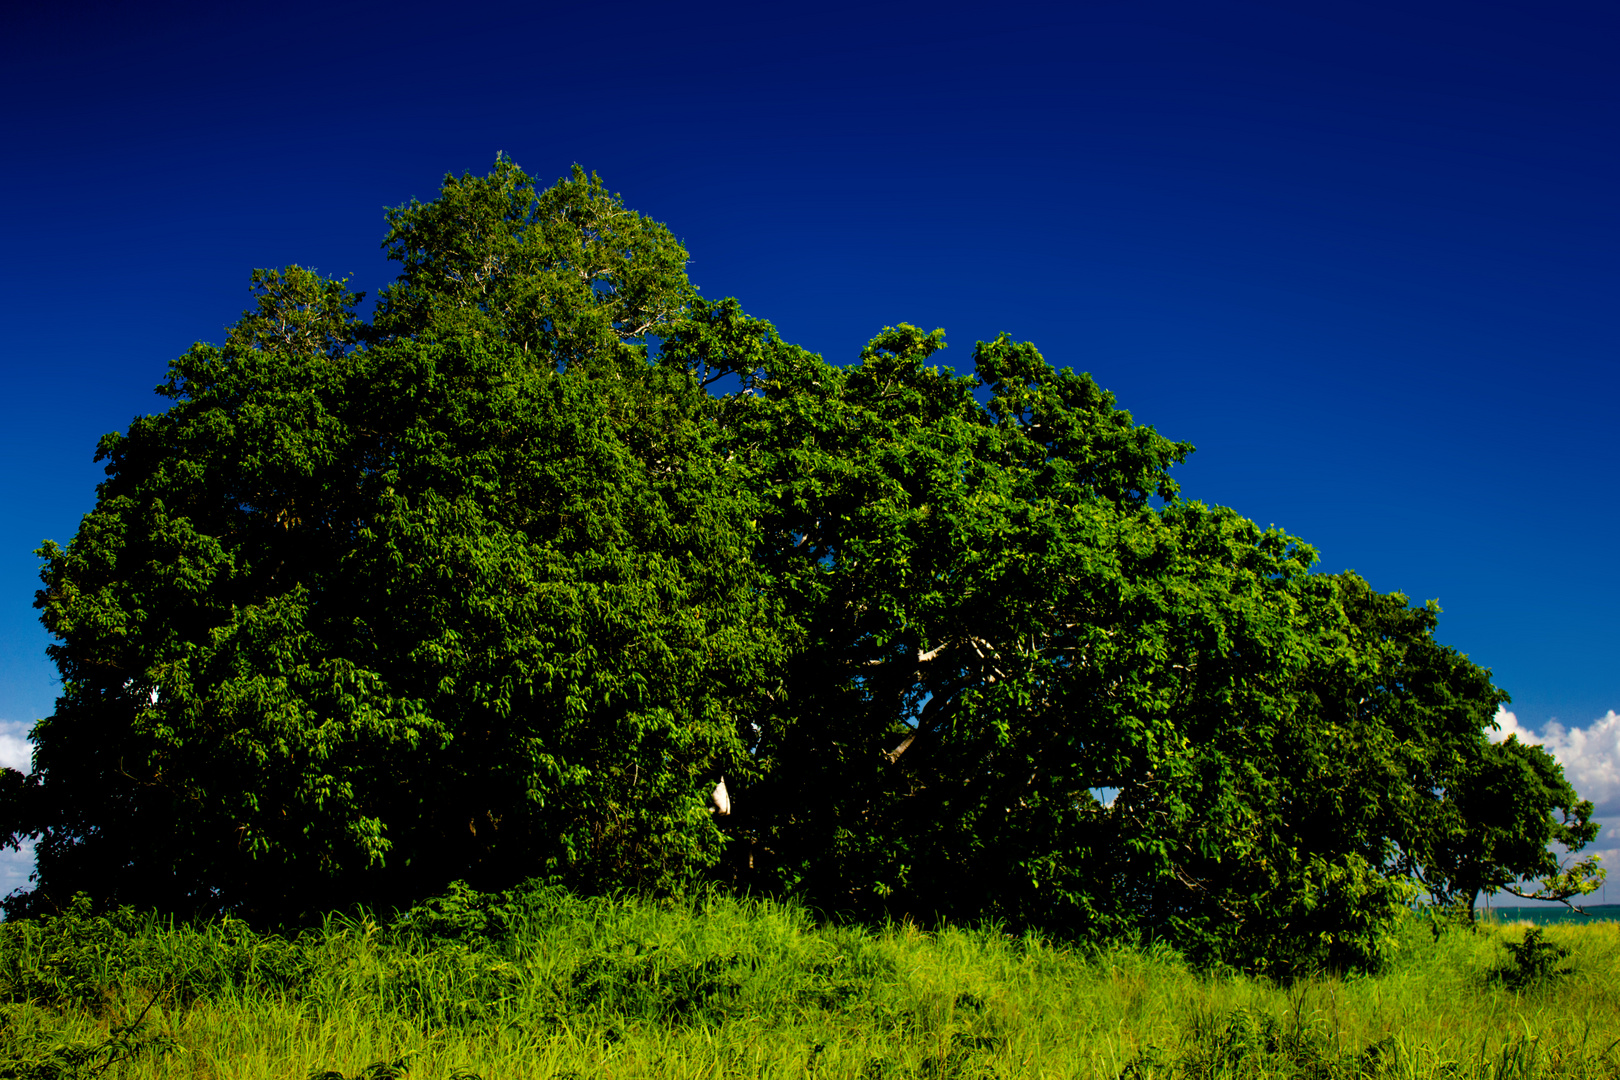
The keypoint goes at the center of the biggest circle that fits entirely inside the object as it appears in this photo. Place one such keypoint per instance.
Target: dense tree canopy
(500, 582)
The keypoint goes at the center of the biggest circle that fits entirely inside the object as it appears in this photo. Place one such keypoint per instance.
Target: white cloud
(16, 752)
(1508, 724)
(15, 866)
(1590, 755)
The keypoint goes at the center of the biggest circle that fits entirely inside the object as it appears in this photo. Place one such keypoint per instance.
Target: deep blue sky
(1364, 257)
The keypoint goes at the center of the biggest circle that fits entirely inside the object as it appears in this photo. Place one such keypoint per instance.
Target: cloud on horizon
(16, 752)
(1590, 755)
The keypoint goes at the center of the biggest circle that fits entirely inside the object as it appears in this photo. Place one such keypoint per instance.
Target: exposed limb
(894, 755)
(987, 652)
(928, 721)
(1581, 879)
(1195, 885)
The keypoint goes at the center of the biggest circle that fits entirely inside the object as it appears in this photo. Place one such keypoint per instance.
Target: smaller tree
(995, 603)
(1498, 829)
(1462, 815)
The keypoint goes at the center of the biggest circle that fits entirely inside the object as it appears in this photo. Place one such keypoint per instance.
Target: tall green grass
(542, 984)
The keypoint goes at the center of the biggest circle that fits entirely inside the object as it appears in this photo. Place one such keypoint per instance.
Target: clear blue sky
(1363, 257)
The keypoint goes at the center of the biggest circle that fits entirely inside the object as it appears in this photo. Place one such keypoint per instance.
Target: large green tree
(501, 582)
(463, 594)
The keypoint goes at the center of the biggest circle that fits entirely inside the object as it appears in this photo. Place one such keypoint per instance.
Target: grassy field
(546, 985)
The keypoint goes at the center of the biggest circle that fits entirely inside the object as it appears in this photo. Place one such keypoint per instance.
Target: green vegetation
(537, 983)
(501, 582)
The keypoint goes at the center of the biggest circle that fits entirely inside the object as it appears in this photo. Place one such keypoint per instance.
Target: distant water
(1541, 916)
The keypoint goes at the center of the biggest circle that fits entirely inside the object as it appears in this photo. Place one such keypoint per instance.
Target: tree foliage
(1001, 611)
(502, 581)
(361, 612)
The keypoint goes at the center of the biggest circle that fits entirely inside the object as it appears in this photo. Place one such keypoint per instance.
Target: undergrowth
(538, 983)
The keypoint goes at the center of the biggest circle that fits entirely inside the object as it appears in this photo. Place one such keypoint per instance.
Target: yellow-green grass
(726, 988)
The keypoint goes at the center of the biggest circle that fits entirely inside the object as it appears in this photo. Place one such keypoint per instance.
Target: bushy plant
(1533, 961)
